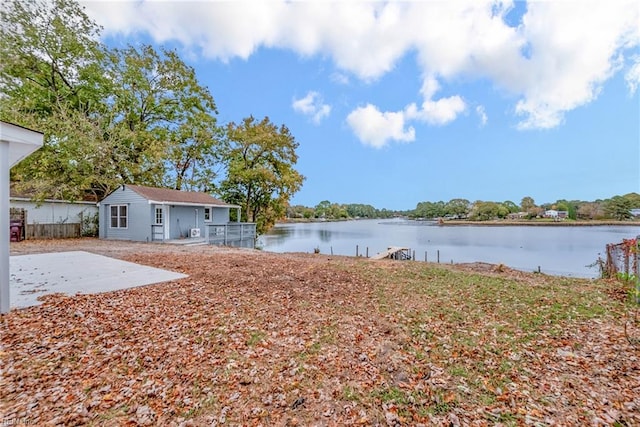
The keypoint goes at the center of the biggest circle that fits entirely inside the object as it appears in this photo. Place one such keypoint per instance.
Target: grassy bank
(266, 339)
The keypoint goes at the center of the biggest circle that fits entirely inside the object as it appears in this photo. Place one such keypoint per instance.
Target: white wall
(54, 212)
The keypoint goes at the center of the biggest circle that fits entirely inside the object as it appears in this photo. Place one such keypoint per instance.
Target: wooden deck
(394, 252)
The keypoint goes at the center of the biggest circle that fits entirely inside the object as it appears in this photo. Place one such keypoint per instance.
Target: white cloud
(575, 48)
(556, 60)
(312, 106)
(633, 77)
(377, 129)
(439, 112)
(482, 114)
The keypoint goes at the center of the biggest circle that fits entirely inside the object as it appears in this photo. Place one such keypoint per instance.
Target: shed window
(207, 215)
(118, 216)
(158, 216)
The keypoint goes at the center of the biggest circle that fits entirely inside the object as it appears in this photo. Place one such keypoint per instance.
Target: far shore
(494, 223)
(543, 223)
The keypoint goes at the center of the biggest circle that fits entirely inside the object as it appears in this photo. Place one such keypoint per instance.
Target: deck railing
(232, 234)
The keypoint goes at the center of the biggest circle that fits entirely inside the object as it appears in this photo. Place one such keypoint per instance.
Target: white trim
(22, 141)
(4, 227)
(167, 222)
(16, 143)
(155, 215)
(118, 216)
(190, 204)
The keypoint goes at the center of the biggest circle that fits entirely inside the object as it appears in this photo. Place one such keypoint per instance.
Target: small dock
(394, 252)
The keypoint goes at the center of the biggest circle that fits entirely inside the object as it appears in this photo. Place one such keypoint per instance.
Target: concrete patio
(32, 276)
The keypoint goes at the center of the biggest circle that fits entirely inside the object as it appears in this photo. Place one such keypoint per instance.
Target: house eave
(204, 205)
(22, 141)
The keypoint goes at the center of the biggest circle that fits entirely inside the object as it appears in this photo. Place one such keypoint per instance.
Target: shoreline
(493, 223)
(542, 224)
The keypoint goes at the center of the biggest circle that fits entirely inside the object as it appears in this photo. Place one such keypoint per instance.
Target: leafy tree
(163, 120)
(129, 115)
(337, 211)
(527, 204)
(430, 210)
(510, 206)
(50, 56)
(634, 200)
(386, 213)
(484, 211)
(361, 211)
(618, 207)
(572, 206)
(74, 161)
(458, 207)
(260, 164)
(322, 209)
(299, 211)
(51, 81)
(590, 210)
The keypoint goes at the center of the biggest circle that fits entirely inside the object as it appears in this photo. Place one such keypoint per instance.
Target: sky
(395, 103)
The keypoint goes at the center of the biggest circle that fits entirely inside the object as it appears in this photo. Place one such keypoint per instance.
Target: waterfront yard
(254, 338)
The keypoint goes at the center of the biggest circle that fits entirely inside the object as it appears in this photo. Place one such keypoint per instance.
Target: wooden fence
(52, 231)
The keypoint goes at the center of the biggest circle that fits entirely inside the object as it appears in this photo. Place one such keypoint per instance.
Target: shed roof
(161, 195)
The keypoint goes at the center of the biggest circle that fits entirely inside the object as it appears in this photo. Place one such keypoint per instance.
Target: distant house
(518, 215)
(635, 212)
(552, 213)
(148, 214)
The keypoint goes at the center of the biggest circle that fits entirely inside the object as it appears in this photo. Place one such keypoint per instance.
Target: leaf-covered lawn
(252, 338)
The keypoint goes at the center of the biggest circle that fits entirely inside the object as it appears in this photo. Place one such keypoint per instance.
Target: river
(556, 250)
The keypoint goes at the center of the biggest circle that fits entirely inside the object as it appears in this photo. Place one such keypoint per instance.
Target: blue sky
(394, 103)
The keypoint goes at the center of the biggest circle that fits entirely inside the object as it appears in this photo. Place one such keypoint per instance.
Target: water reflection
(325, 235)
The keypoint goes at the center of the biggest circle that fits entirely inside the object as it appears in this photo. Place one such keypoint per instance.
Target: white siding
(54, 212)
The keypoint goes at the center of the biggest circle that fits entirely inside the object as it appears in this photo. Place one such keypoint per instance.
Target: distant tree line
(335, 211)
(616, 208)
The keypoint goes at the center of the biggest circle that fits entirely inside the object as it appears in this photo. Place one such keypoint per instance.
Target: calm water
(563, 251)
